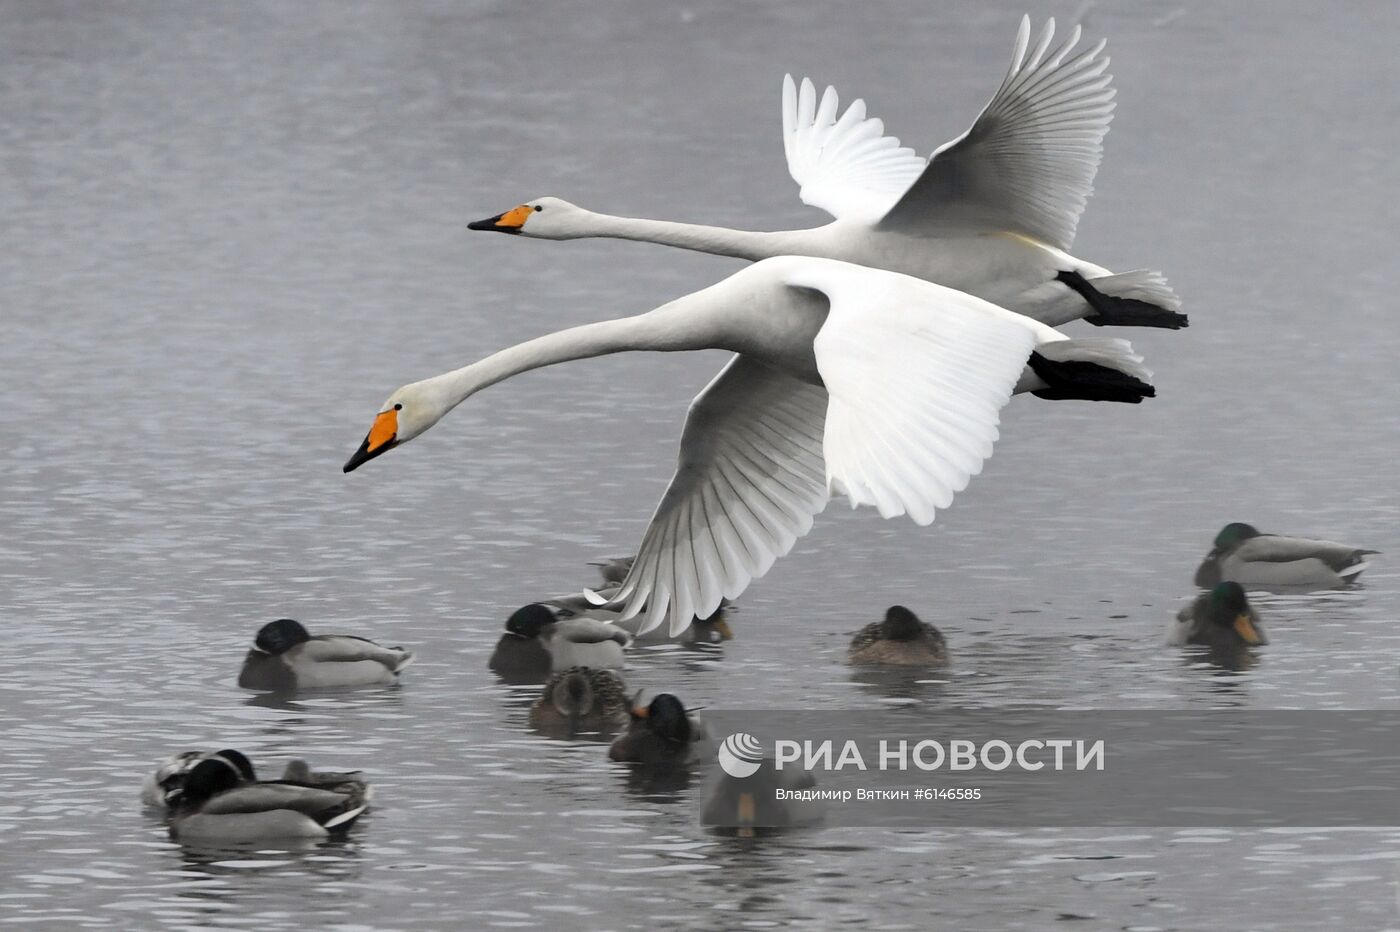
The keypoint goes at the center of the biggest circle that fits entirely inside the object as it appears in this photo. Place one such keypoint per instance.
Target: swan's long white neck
(669, 328)
(719, 241)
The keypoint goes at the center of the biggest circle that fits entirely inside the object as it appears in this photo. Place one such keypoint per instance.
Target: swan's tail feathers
(1091, 370)
(1140, 298)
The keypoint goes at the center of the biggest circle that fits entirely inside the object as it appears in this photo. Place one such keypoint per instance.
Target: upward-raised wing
(845, 166)
(748, 482)
(1028, 162)
(917, 375)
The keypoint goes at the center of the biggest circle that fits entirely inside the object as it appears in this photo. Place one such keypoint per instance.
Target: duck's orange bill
(1245, 629)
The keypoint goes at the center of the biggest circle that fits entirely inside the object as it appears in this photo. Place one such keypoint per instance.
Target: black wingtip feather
(1112, 311)
(1076, 380)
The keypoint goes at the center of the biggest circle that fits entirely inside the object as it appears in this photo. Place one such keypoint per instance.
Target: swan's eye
(398, 407)
(538, 208)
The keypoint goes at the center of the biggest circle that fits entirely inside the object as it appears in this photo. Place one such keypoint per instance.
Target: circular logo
(740, 755)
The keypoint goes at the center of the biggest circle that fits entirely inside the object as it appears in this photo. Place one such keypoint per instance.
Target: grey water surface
(229, 230)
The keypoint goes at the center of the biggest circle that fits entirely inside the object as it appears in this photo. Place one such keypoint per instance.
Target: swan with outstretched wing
(879, 387)
(992, 212)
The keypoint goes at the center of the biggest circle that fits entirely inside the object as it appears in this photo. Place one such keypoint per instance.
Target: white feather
(748, 481)
(1027, 163)
(917, 375)
(845, 166)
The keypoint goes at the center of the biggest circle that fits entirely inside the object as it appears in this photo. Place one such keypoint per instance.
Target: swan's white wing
(1027, 165)
(917, 375)
(845, 166)
(748, 481)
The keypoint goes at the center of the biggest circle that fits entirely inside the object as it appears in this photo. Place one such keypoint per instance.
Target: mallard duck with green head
(659, 732)
(218, 804)
(159, 787)
(1220, 619)
(285, 656)
(539, 641)
(1262, 561)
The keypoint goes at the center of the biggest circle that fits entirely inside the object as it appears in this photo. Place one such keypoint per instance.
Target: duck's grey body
(219, 805)
(585, 642)
(541, 640)
(160, 786)
(264, 811)
(1268, 561)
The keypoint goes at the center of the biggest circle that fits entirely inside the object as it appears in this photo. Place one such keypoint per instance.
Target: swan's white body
(991, 213)
(878, 386)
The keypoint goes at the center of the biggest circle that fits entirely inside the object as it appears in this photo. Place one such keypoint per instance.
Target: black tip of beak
(363, 454)
(490, 224)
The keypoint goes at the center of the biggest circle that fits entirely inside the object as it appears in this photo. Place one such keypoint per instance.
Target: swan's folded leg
(1113, 310)
(1087, 370)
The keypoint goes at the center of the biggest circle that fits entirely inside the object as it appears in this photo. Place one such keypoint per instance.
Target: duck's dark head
(900, 624)
(529, 620)
(665, 717)
(1234, 534)
(658, 732)
(1229, 609)
(240, 762)
(280, 636)
(210, 777)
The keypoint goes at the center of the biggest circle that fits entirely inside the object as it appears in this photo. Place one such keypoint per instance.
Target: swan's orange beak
(509, 222)
(382, 437)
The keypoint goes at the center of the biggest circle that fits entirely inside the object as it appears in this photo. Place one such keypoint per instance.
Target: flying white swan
(992, 213)
(874, 385)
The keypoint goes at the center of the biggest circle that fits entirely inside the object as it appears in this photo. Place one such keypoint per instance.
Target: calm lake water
(230, 230)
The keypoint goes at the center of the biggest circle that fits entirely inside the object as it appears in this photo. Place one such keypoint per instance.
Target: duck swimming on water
(219, 804)
(900, 639)
(1244, 555)
(1221, 618)
(285, 656)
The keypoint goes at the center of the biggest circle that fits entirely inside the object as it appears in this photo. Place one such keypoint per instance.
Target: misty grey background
(231, 229)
